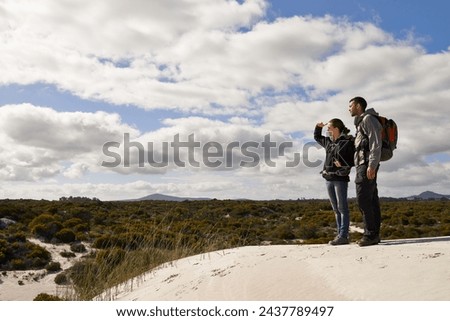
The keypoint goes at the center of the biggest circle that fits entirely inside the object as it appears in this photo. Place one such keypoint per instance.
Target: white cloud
(114, 28)
(196, 57)
(118, 52)
(36, 141)
(48, 143)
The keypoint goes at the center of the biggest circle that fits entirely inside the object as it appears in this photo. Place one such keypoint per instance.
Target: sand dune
(410, 269)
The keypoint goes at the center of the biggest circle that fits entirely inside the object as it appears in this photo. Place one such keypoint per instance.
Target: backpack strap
(364, 144)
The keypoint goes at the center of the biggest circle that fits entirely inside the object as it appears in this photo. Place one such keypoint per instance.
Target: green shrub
(2, 257)
(18, 264)
(41, 231)
(108, 241)
(308, 231)
(38, 252)
(81, 228)
(65, 235)
(62, 279)
(71, 223)
(17, 237)
(47, 231)
(67, 254)
(77, 248)
(47, 297)
(283, 231)
(53, 267)
(42, 219)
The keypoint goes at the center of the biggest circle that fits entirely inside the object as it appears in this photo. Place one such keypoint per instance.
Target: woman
(340, 149)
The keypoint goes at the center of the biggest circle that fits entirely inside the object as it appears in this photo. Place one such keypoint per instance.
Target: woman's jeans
(337, 192)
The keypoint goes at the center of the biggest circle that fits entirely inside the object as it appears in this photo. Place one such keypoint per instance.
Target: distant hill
(162, 197)
(428, 195)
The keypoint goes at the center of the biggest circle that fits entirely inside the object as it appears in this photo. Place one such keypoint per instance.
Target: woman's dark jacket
(342, 150)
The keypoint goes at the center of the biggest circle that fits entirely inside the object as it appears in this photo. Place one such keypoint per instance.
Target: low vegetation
(128, 238)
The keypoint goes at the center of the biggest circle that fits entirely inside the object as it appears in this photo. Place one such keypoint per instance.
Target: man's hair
(361, 101)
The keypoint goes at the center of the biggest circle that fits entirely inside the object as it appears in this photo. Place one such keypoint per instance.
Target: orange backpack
(389, 137)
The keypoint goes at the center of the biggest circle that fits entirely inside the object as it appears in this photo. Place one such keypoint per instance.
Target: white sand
(415, 269)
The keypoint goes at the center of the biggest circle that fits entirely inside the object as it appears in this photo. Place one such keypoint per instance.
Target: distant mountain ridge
(427, 195)
(162, 197)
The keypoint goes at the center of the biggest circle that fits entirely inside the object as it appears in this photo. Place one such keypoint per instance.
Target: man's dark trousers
(368, 201)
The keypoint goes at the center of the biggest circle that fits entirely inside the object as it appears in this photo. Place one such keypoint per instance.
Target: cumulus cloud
(48, 143)
(119, 52)
(38, 141)
(205, 56)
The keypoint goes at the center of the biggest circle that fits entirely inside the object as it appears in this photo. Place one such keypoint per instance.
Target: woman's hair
(336, 122)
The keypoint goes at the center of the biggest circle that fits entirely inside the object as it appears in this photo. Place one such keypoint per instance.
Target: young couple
(344, 151)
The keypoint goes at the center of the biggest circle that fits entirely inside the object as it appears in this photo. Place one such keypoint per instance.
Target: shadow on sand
(416, 240)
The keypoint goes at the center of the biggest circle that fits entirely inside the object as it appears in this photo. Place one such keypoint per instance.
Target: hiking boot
(339, 241)
(366, 241)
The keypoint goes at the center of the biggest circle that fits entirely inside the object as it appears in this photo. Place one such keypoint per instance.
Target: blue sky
(426, 20)
(77, 75)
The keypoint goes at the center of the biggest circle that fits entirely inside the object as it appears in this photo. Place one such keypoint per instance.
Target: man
(367, 159)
